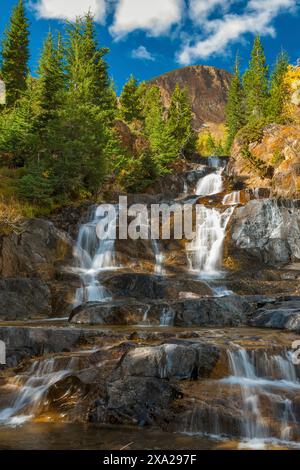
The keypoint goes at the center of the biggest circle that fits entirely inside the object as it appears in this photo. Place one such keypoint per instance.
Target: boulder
(281, 314)
(180, 361)
(268, 230)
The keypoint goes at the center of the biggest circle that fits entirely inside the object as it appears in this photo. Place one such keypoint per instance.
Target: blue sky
(150, 37)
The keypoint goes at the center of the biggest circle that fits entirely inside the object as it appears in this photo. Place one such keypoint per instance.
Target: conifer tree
(86, 67)
(130, 101)
(278, 89)
(15, 55)
(179, 128)
(51, 79)
(256, 83)
(154, 128)
(235, 108)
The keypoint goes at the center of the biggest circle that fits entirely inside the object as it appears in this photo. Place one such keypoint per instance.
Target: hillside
(207, 87)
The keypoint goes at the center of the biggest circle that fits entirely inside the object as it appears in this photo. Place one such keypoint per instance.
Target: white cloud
(199, 10)
(156, 17)
(69, 9)
(142, 53)
(256, 18)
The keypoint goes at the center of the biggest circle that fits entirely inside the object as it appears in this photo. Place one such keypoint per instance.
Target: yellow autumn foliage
(292, 80)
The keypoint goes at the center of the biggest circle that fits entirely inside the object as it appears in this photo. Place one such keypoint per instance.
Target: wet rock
(112, 313)
(180, 361)
(225, 311)
(283, 314)
(27, 342)
(268, 230)
(24, 298)
(135, 400)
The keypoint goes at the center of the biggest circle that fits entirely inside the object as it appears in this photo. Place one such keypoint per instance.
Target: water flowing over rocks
(192, 337)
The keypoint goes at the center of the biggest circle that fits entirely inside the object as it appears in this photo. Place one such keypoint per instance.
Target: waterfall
(94, 256)
(210, 184)
(167, 317)
(159, 258)
(29, 390)
(232, 199)
(266, 384)
(205, 252)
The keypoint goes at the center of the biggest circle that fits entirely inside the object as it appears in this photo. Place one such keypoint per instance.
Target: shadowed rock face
(283, 314)
(207, 87)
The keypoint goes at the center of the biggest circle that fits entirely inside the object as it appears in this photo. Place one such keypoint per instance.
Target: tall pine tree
(130, 101)
(235, 108)
(86, 67)
(15, 55)
(278, 90)
(179, 127)
(51, 80)
(256, 83)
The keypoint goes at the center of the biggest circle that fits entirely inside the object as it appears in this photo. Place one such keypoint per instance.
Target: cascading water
(232, 199)
(159, 258)
(205, 252)
(94, 256)
(259, 402)
(210, 184)
(267, 386)
(29, 390)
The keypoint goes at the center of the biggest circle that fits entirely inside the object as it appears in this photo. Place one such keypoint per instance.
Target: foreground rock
(282, 314)
(226, 311)
(268, 230)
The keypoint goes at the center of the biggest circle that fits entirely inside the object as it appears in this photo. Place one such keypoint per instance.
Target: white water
(205, 252)
(210, 184)
(159, 258)
(232, 199)
(94, 256)
(264, 379)
(30, 389)
(167, 317)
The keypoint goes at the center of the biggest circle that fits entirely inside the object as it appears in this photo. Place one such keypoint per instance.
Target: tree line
(257, 98)
(59, 126)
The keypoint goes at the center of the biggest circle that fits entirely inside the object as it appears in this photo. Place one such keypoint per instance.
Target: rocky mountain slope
(207, 89)
(279, 152)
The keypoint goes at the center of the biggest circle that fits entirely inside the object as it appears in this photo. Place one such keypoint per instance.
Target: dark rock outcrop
(38, 250)
(30, 260)
(283, 314)
(21, 299)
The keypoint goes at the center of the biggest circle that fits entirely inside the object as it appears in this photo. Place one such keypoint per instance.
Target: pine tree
(86, 67)
(235, 108)
(51, 80)
(130, 101)
(154, 127)
(278, 89)
(15, 55)
(256, 83)
(179, 128)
